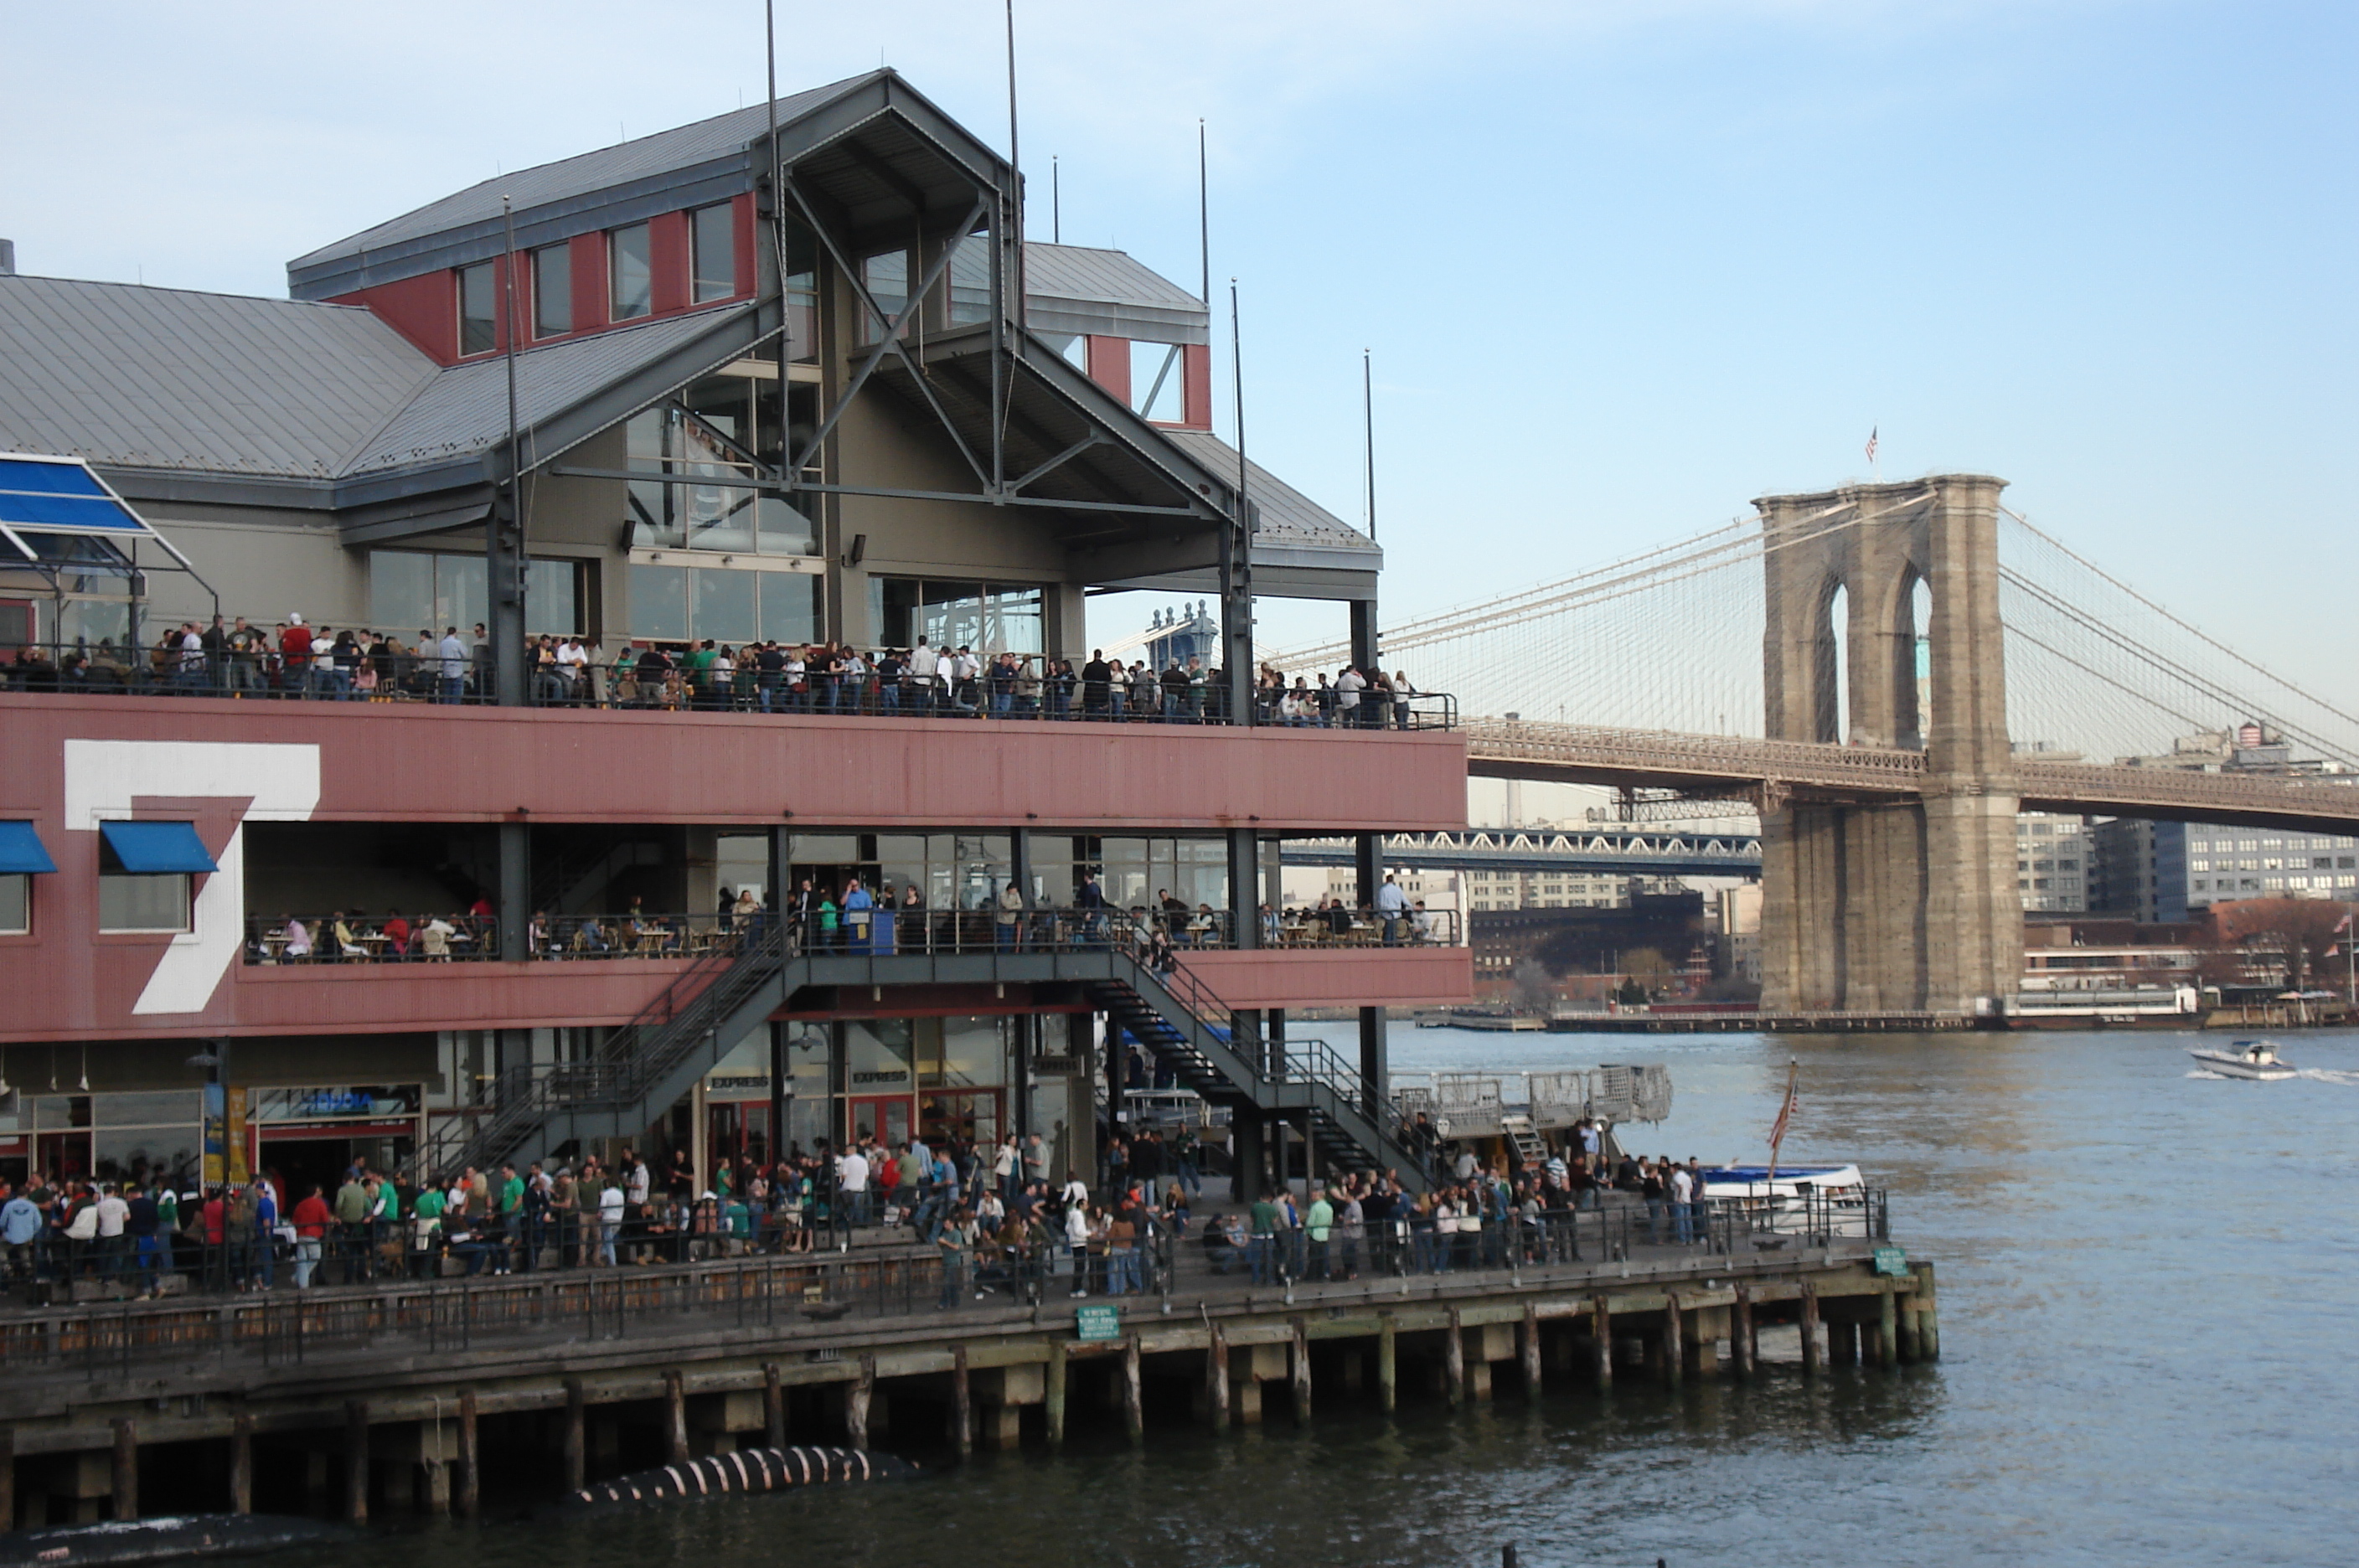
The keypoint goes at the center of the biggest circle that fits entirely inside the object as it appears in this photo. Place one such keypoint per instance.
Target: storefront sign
(901, 1076)
(1097, 1323)
(1056, 1066)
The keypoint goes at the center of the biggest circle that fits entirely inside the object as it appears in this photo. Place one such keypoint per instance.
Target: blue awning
(157, 849)
(60, 495)
(21, 851)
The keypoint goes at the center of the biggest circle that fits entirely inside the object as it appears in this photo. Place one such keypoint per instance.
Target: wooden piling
(1134, 1406)
(1387, 1364)
(126, 1469)
(1904, 1323)
(1929, 1313)
(773, 1406)
(241, 1465)
(1674, 1352)
(576, 1445)
(856, 1404)
(1600, 1349)
(1531, 1348)
(1301, 1373)
(1453, 1361)
(1809, 1329)
(1216, 1379)
(7, 1476)
(962, 1402)
(675, 1418)
(1740, 1334)
(471, 1469)
(356, 1461)
(1888, 1335)
(1053, 1398)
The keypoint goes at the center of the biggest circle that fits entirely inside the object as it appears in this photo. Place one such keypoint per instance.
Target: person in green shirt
(426, 1223)
(827, 920)
(1261, 1248)
(1317, 1224)
(511, 1214)
(352, 1225)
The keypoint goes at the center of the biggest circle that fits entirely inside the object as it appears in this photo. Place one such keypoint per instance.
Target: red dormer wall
(424, 309)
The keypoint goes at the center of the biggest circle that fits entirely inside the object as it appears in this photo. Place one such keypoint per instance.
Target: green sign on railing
(1097, 1323)
(1892, 1260)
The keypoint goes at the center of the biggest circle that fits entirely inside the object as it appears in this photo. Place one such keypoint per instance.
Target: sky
(1623, 264)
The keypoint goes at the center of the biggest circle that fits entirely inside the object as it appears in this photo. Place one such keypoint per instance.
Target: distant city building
(2170, 871)
(2051, 863)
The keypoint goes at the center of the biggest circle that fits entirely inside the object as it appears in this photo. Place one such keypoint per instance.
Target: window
(712, 247)
(479, 309)
(678, 603)
(412, 591)
(552, 291)
(143, 903)
(630, 284)
(989, 617)
(887, 278)
(15, 904)
(969, 285)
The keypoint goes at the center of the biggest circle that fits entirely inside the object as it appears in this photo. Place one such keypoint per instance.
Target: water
(2147, 1294)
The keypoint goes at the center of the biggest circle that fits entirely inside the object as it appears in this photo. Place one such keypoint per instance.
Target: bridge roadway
(1606, 850)
(1730, 764)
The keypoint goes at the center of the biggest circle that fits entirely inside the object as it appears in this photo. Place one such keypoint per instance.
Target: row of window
(2273, 884)
(2197, 845)
(630, 279)
(125, 903)
(2273, 862)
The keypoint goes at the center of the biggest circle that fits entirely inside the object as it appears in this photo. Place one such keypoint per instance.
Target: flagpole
(1778, 1134)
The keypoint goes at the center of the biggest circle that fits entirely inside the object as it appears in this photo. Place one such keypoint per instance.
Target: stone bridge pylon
(1877, 903)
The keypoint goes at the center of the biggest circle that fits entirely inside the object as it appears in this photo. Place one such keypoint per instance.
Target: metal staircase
(1531, 1152)
(1167, 1012)
(641, 1069)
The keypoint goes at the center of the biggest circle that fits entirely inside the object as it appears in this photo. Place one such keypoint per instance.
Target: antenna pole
(1056, 203)
(1016, 165)
(1369, 422)
(778, 223)
(1203, 215)
(1236, 554)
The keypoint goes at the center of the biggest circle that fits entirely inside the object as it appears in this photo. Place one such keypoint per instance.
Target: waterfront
(2145, 1276)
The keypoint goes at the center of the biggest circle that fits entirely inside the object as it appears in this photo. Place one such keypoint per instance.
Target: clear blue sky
(1624, 265)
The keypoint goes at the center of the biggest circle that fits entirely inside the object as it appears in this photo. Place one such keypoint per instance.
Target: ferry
(2148, 1006)
(2257, 1059)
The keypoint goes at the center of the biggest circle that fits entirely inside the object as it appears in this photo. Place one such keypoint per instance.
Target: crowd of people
(296, 660)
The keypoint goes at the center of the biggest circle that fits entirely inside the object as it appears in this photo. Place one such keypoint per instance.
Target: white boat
(2254, 1059)
(1790, 1182)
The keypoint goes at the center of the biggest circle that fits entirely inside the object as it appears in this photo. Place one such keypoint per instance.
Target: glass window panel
(552, 596)
(712, 243)
(1015, 622)
(460, 599)
(782, 529)
(552, 291)
(659, 603)
(950, 614)
(141, 1152)
(970, 273)
(479, 309)
(894, 610)
(887, 276)
(1156, 381)
(790, 604)
(175, 1108)
(724, 605)
(15, 902)
(630, 285)
(401, 590)
(143, 903)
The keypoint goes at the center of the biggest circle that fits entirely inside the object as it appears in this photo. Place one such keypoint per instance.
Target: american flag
(1785, 1115)
(1871, 442)
(2343, 925)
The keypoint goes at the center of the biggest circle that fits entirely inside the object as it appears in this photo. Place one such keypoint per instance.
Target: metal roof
(1287, 516)
(665, 152)
(168, 378)
(465, 408)
(1080, 288)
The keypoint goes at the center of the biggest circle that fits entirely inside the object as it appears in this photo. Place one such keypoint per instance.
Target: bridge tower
(1890, 905)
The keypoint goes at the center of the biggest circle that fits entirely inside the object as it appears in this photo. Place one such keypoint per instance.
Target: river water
(2149, 1305)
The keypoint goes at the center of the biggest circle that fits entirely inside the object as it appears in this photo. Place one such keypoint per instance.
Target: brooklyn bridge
(1887, 674)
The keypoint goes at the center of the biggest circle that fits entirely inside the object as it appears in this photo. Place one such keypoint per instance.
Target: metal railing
(357, 937)
(704, 1279)
(656, 679)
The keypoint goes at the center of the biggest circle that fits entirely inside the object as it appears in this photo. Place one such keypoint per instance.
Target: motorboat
(2254, 1059)
(1793, 1200)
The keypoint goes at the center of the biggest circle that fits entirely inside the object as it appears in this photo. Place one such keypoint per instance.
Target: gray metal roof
(665, 152)
(465, 409)
(1287, 517)
(168, 379)
(1080, 288)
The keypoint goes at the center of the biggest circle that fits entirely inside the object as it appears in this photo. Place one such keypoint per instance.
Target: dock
(458, 1396)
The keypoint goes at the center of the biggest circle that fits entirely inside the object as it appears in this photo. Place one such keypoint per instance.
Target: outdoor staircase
(1531, 1150)
(1168, 1014)
(643, 1068)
